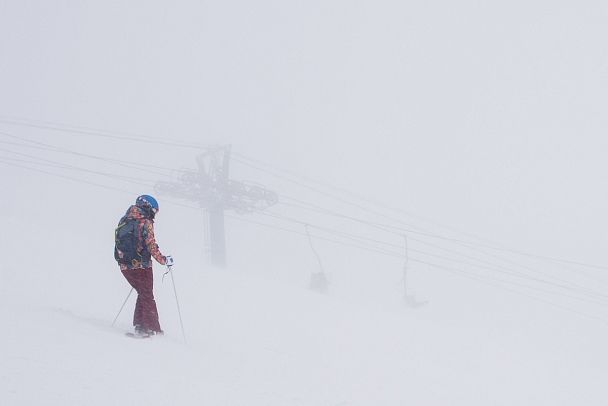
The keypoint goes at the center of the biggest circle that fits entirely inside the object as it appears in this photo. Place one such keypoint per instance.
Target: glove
(168, 260)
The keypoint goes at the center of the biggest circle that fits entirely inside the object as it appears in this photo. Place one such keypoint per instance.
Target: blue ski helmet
(147, 200)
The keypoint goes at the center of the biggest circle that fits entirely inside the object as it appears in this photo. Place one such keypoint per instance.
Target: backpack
(126, 237)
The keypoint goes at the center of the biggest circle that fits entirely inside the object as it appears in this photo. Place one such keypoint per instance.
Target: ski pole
(177, 302)
(123, 305)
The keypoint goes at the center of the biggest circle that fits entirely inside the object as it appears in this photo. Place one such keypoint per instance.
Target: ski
(137, 337)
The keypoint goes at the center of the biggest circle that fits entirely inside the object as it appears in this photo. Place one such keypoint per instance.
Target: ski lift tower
(216, 193)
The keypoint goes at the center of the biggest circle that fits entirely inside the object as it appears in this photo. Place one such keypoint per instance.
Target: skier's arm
(151, 245)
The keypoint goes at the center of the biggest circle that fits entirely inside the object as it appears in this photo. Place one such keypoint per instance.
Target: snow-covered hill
(255, 340)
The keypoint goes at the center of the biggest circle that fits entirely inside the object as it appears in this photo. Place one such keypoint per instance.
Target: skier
(135, 247)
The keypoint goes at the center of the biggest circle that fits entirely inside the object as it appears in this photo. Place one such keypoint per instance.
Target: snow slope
(255, 340)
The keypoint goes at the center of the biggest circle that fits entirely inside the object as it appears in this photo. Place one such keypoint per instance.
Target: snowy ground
(252, 340)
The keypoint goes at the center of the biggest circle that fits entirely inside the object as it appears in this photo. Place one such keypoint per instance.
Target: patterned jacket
(146, 242)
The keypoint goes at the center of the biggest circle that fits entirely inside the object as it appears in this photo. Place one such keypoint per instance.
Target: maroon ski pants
(146, 313)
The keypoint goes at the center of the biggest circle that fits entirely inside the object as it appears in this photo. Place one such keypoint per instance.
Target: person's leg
(133, 276)
(149, 312)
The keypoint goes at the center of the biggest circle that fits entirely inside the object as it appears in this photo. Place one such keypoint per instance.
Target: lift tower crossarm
(215, 192)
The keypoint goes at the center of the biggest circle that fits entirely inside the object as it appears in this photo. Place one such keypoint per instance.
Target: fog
(465, 142)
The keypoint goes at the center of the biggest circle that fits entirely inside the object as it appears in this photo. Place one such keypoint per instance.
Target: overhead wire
(580, 289)
(518, 293)
(121, 163)
(474, 275)
(170, 142)
(492, 267)
(320, 209)
(52, 148)
(563, 283)
(344, 235)
(413, 228)
(99, 133)
(401, 232)
(134, 180)
(164, 141)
